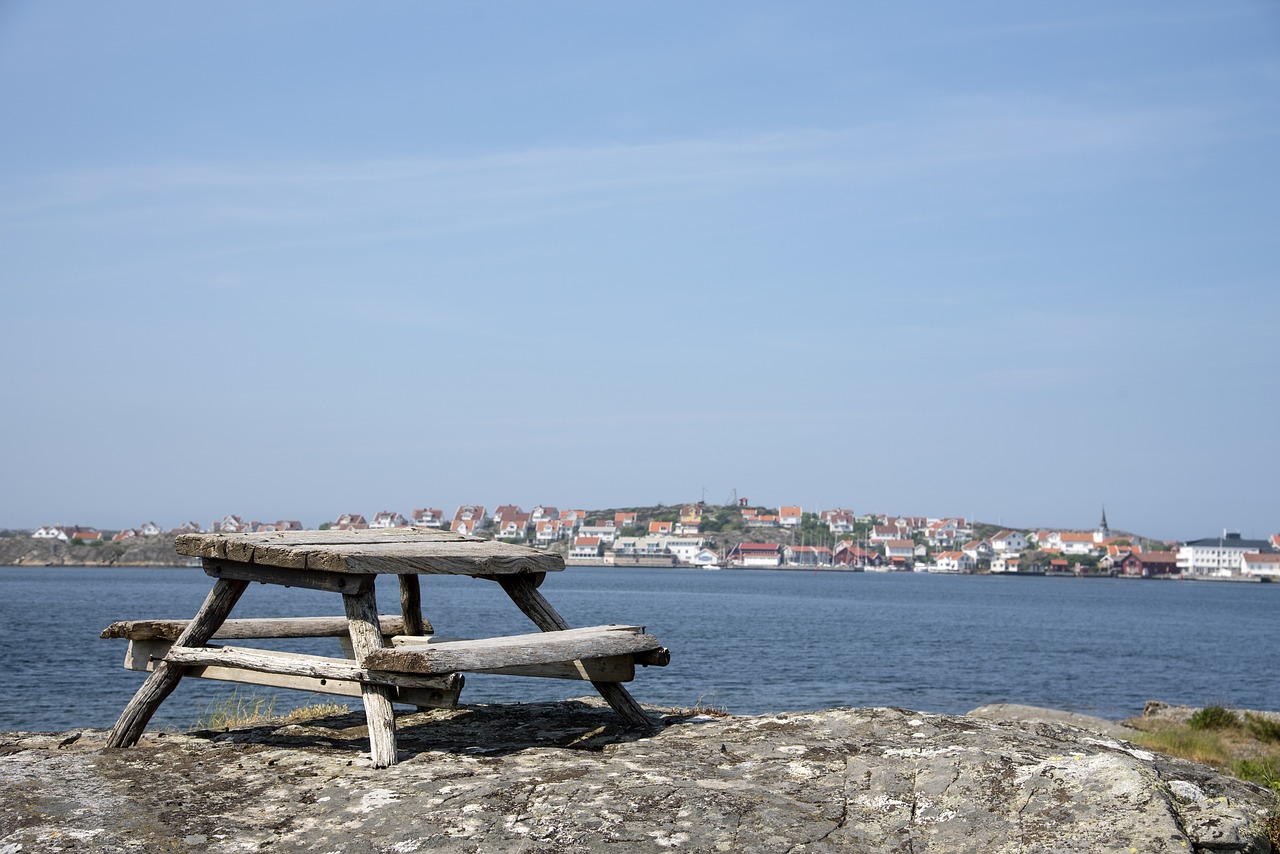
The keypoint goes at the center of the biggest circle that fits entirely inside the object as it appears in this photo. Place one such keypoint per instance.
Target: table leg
(366, 636)
(535, 606)
(411, 605)
(160, 684)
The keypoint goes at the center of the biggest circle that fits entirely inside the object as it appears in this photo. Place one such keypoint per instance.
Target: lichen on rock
(564, 777)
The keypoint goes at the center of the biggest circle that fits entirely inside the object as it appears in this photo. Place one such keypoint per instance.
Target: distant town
(742, 536)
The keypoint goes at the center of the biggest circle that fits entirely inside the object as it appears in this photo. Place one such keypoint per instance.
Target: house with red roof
(350, 522)
(1078, 543)
(388, 519)
(586, 548)
(1148, 564)
(1261, 564)
(513, 526)
(468, 519)
(759, 555)
(428, 517)
(790, 517)
(900, 552)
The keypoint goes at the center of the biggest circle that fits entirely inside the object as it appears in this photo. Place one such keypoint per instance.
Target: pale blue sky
(1004, 260)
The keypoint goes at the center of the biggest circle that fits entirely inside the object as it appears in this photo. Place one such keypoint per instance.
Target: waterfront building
(1263, 565)
(1217, 555)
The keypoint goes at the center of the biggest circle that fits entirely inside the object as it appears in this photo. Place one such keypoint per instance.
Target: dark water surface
(751, 641)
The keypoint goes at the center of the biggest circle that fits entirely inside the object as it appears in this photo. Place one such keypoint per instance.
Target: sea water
(748, 641)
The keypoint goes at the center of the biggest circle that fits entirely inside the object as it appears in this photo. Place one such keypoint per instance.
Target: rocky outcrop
(562, 777)
(136, 551)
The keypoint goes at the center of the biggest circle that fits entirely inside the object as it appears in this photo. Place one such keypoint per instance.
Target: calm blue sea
(751, 641)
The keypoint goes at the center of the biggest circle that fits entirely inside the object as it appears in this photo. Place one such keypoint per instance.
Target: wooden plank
(160, 684)
(268, 627)
(297, 664)
(332, 582)
(411, 605)
(616, 668)
(146, 654)
(198, 545)
(362, 617)
(522, 591)
(384, 551)
(509, 651)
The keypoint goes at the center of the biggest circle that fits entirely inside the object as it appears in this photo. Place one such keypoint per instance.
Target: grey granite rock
(562, 778)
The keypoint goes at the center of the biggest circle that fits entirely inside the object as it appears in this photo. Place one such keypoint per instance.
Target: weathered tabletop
(398, 551)
(347, 562)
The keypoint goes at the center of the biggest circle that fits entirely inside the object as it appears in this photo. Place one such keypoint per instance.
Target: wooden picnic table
(392, 657)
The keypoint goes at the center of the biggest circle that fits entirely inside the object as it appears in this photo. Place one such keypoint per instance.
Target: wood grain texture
(333, 582)
(390, 551)
(618, 668)
(411, 605)
(160, 684)
(509, 651)
(261, 627)
(145, 655)
(362, 617)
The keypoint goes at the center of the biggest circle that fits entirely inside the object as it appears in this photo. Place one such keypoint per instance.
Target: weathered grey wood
(362, 615)
(393, 551)
(198, 545)
(262, 627)
(160, 684)
(435, 692)
(525, 595)
(509, 651)
(659, 657)
(617, 668)
(333, 582)
(411, 605)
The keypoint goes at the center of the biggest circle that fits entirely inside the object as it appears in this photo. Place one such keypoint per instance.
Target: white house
(955, 562)
(1077, 543)
(606, 531)
(512, 526)
(548, 531)
(1263, 565)
(469, 518)
(759, 554)
(388, 519)
(428, 517)
(1009, 541)
(51, 532)
(899, 552)
(1216, 555)
(585, 548)
(790, 517)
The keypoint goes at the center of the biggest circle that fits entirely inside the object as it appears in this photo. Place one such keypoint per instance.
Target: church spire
(1102, 526)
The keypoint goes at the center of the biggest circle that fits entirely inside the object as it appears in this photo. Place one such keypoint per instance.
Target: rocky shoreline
(562, 777)
(154, 551)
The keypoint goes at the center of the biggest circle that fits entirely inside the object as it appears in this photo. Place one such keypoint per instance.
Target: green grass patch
(1205, 747)
(1214, 717)
(1247, 747)
(1263, 729)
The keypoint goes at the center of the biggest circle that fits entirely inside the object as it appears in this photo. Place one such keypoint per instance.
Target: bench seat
(517, 651)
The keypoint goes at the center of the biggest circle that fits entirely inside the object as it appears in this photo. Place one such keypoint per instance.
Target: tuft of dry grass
(701, 707)
(1246, 747)
(250, 709)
